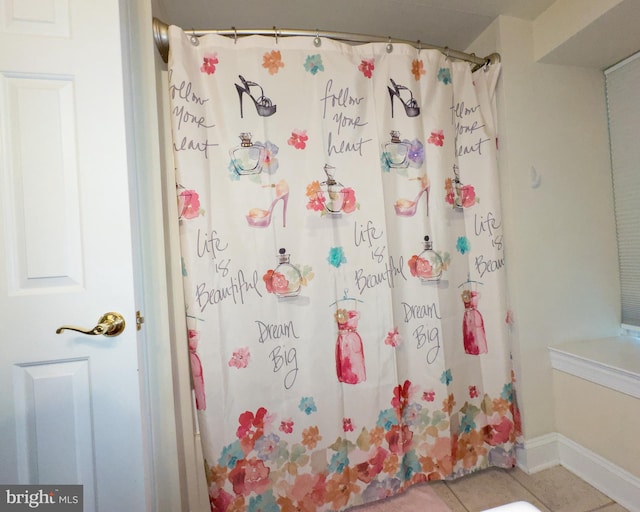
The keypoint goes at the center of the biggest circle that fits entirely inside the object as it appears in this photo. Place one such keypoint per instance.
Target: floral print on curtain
(343, 267)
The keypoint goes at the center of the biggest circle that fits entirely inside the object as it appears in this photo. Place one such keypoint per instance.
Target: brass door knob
(109, 324)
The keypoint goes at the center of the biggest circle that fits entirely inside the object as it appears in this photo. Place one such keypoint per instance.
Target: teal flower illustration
(467, 424)
(233, 173)
(387, 419)
(313, 64)
(307, 405)
(410, 465)
(263, 503)
(231, 454)
(446, 377)
(444, 75)
(384, 162)
(336, 257)
(462, 245)
(339, 461)
(507, 392)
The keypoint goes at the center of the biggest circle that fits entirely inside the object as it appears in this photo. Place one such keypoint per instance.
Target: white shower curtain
(343, 268)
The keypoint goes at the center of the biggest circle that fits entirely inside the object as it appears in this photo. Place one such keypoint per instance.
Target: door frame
(175, 465)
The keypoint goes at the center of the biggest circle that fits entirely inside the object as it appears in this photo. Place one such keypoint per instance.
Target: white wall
(560, 236)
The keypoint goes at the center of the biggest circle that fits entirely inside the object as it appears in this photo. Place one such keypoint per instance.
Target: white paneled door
(70, 403)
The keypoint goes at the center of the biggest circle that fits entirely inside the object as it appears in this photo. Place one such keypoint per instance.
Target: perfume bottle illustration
(411, 108)
(259, 218)
(331, 196)
(396, 151)
(428, 265)
(333, 191)
(285, 280)
(247, 158)
(459, 195)
(264, 106)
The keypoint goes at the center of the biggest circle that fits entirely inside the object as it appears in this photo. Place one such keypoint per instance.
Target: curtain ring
(419, 46)
(316, 40)
(275, 33)
(235, 35)
(446, 53)
(389, 46)
(194, 39)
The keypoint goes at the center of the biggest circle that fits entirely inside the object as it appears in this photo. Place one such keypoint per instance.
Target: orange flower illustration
(272, 61)
(376, 436)
(448, 403)
(417, 69)
(500, 405)
(470, 447)
(313, 188)
(391, 464)
(310, 437)
(340, 487)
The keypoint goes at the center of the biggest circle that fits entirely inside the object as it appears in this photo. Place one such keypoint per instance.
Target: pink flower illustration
(316, 203)
(286, 426)
(393, 338)
(316, 197)
(275, 282)
(508, 319)
(498, 433)
(347, 426)
(249, 475)
(468, 196)
(196, 370)
(251, 428)
(436, 138)
(450, 196)
(399, 439)
(209, 63)
(368, 470)
(219, 498)
(298, 139)
(188, 204)
(429, 396)
(240, 358)
(349, 201)
(366, 67)
(473, 392)
(420, 267)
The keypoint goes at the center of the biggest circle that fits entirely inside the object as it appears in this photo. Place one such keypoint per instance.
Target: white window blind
(623, 103)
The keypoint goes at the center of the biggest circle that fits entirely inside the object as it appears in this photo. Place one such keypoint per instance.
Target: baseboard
(538, 454)
(553, 449)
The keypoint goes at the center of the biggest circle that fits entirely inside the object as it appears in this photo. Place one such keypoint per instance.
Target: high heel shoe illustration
(259, 218)
(264, 107)
(408, 208)
(411, 107)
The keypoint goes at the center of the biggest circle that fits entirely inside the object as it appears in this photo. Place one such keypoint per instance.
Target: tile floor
(553, 490)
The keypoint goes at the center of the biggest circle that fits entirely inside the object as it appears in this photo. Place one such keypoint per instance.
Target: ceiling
(452, 23)
(599, 41)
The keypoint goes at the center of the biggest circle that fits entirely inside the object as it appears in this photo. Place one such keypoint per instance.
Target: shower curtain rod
(161, 37)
